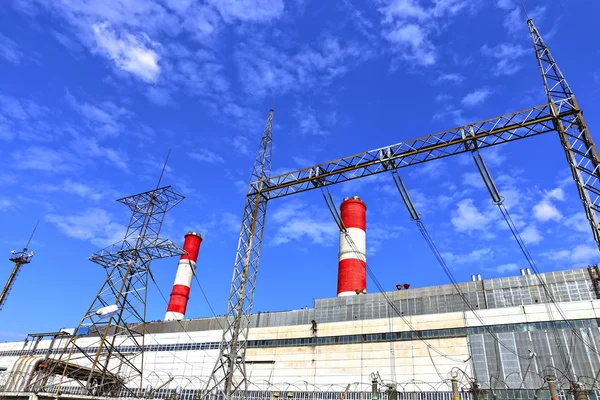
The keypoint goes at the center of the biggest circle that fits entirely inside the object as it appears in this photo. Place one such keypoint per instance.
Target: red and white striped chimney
(352, 267)
(183, 279)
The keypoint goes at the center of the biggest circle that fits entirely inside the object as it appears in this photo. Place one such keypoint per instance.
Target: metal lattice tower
(560, 114)
(575, 138)
(229, 375)
(118, 313)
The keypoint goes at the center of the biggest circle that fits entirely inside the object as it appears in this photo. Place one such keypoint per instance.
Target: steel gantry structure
(560, 114)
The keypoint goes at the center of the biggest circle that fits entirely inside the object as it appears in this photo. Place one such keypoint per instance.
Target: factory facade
(510, 335)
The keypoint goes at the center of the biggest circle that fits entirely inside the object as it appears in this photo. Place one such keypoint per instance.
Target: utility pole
(579, 391)
(454, 388)
(552, 388)
(19, 258)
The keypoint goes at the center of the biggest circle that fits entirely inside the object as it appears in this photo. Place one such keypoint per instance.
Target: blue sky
(93, 94)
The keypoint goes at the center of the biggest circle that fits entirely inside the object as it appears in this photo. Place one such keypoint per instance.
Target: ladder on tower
(594, 271)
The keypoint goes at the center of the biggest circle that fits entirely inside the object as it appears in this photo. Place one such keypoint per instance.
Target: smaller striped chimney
(183, 280)
(352, 267)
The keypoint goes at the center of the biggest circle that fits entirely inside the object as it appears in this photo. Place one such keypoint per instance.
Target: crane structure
(117, 315)
(19, 258)
(560, 114)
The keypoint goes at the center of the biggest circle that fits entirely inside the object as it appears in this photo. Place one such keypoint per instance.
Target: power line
(499, 201)
(340, 223)
(429, 240)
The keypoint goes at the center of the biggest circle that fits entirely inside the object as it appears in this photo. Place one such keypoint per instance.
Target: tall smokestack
(183, 279)
(352, 267)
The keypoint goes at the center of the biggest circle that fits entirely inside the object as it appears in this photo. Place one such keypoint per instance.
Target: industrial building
(535, 335)
(512, 343)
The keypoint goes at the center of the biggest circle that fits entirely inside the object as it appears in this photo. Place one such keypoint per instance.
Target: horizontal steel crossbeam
(506, 128)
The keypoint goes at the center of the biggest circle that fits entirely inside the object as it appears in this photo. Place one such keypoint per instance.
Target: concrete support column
(374, 391)
(552, 388)
(580, 392)
(475, 390)
(455, 389)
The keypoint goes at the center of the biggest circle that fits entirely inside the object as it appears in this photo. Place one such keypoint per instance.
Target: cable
(499, 201)
(380, 287)
(181, 325)
(208, 302)
(428, 239)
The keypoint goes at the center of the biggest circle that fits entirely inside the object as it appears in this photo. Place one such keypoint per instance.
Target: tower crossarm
(506, 128)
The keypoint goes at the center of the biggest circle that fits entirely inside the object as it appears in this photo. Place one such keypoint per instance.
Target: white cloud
(297, 222)
(381, 233)
(6, 203)
(7, 179)
(469, 258)
(579, 254)
(91, 192)
(303, 162)
(452, 114)
(240, 144)
(531, 235)
(578, 222)
(105, 117)
(545, 211)
(93, 224)
(473, 179)
(219, 223)
(476, 97)
(467, 218)
(514, 22)
(505, 4)
(250, 11)
(412, 42)
(9, 50)
(159, 96)
(493, 155)
(90, 148)
(20, 109)
(41, 159)
(557, 194)
(266, 69)
(309, 121)
(409, 26)
(67, 41)
(504, 57)
(504, 268)
(432, 169)
(450, 77)
(443, 97)
(206, 156)
(128, 52)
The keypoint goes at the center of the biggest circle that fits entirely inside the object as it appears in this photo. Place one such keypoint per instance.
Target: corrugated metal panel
(572, 285)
